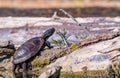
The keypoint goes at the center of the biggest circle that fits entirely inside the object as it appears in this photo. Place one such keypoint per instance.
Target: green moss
(40, 62)
(91, 73)
(82, 74)
(46, 61)
(73, 48)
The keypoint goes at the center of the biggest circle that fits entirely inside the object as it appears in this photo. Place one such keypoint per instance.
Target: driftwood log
(8, 49)
(84, 43)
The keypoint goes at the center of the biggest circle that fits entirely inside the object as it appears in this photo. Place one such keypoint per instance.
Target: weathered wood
(2, 69)
(6, 51)
(85, 43)
(115, 58)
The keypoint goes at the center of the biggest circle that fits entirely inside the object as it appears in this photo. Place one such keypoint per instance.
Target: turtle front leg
(47, 43)
(24, 67)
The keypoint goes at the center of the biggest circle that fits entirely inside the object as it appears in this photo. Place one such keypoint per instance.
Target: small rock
(51, 73)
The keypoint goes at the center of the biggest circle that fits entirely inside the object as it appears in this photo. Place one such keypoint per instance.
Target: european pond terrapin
(30, 48)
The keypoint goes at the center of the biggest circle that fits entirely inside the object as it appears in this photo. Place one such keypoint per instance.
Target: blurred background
(82, 8)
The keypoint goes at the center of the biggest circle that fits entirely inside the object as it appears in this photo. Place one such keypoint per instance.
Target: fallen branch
(6, 51)
(70, 16)
(84, 43)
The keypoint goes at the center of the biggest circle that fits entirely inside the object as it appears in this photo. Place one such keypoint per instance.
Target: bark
(6, 51)
(84, 43)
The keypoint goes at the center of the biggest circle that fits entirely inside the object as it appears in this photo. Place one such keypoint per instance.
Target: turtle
(31, 48)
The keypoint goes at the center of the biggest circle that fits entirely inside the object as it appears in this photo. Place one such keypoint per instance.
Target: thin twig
(63, 38)
(70, 16)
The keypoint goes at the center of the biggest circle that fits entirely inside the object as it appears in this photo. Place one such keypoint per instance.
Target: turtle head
(48, 33)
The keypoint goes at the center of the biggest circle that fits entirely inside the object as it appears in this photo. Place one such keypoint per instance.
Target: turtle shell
(28, 49)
